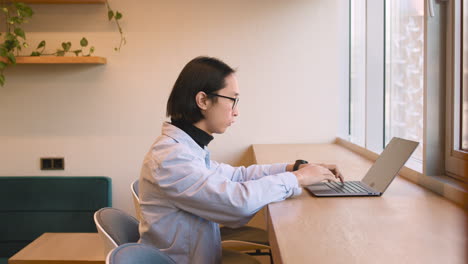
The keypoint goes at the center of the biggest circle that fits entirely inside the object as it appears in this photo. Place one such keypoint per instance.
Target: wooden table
(408, 224)
(62, 248)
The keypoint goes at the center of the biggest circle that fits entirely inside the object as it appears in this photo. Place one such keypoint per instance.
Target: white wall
(291, 56)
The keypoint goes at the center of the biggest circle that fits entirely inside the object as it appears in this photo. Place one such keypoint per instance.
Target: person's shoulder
(167, 148)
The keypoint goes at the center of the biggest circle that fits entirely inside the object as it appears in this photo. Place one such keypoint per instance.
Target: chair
(137, 253)
(116, 227)
(245, 238)
(144, 254)
(136, 199)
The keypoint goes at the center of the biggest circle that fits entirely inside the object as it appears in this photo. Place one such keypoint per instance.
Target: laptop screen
(389, 163)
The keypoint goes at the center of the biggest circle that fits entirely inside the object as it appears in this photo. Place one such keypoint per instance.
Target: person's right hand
(313, 173)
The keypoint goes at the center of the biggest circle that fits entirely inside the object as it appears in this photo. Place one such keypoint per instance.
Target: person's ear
(203, 102)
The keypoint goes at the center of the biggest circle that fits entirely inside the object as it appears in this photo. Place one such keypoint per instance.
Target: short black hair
(202, 74)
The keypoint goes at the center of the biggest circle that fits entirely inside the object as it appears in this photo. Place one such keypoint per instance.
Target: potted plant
(14, 38)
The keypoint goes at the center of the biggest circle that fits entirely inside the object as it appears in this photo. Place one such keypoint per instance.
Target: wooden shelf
(63, 1)
(59, 60)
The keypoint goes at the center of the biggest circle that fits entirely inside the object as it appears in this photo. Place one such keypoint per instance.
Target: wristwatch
(298, 163)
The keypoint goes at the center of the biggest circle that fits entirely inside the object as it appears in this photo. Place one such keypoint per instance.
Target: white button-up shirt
(184, 195)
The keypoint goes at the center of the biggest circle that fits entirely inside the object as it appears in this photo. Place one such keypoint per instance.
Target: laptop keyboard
(347, 187)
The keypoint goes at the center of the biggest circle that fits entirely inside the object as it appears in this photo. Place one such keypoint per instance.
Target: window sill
(445, 186)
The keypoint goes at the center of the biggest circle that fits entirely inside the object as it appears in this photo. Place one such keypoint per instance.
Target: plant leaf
(84, 42)
(60, 53)
(3, 51)
(77, 52)
(20, 33)
(14, 20)
(41, 44)
(2, 79)
(11, 57)
(9, 36)
(66, 46)
(35, 53)
(91, 50)
(24, 10)
(2, 65)
(110, 14)
(118, 15)
(10, 45)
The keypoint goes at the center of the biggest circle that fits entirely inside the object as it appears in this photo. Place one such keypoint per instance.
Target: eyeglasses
(235, 100)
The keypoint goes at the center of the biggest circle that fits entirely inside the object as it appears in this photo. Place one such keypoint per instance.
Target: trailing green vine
(66, 48)
(116, 16)
(14, 37)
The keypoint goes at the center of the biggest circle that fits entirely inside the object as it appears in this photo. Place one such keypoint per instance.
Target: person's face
(219, 112)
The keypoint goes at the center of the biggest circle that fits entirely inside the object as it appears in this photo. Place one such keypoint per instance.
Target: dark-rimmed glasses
(235, 100)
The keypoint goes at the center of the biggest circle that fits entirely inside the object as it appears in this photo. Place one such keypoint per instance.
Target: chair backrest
(116, 227)
(136, 198)
(137, 253)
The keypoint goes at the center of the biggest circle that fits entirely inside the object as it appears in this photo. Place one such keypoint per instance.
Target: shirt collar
(181, 137)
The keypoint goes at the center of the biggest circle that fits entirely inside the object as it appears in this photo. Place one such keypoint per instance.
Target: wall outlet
(52, 163)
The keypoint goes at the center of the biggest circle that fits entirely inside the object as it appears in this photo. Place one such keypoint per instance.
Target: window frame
(374, 138)
(456, 161)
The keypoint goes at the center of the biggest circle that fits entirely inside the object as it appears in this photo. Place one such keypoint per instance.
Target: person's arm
(252, 172)
(189, 185)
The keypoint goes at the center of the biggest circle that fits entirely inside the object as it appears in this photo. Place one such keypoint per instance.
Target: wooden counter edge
(275, 253)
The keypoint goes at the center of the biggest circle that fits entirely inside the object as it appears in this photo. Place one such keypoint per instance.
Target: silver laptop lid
(389, 163)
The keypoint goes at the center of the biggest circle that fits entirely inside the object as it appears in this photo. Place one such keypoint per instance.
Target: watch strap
(299, 163)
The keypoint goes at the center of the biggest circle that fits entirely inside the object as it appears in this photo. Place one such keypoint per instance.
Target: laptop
(377, 179)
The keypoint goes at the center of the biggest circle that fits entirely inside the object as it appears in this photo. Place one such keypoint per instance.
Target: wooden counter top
(408, 224)
(62, 248)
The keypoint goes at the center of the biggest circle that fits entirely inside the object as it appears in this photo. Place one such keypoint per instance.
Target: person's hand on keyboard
(313, 173)
(334, 169)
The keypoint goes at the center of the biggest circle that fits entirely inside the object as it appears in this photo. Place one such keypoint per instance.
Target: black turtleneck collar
(201, 137)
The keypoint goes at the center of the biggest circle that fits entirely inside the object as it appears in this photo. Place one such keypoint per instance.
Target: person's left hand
(332, 167)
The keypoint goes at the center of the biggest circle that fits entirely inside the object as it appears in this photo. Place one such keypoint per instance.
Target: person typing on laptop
(184, 194)
(377, 178)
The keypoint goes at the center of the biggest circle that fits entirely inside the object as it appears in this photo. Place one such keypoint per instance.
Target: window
(386, 72)
(404, 71)
(366, 73)
(357, 81)
(409, 79)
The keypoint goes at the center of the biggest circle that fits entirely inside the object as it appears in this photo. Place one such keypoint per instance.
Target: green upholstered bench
(33, 205)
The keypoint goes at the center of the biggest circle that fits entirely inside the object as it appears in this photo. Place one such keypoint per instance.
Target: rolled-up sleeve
(215, 194)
